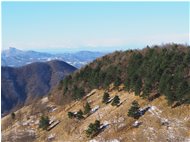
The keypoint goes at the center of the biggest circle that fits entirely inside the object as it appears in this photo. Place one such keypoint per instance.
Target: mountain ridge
(15, 57)
(142, 71)
(24, 84)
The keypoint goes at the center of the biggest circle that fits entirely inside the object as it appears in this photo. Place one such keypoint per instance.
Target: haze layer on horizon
(94, 26)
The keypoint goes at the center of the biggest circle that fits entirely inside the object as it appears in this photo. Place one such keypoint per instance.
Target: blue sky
(103, 26)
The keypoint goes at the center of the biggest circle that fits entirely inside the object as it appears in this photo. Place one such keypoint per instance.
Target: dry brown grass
(150, 129)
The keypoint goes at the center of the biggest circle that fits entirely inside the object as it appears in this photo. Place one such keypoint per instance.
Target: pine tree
(13, 115)
(116, 101)
(127, 84)
(87, 108)
(70, 114)
(138, 86)
(79, 114)
(134, 110)
(96, 125)
(44, 122)
(89, 131)
(117, 82)
(93, 128)
(106, 97)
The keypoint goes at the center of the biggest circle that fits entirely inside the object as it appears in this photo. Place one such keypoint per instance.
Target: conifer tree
(87, 108)
(79, 114)
(106, 97)
(70, 114)
(134, 110)
(116, 101)
(44, 122)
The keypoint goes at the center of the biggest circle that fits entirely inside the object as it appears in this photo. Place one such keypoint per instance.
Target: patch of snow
(93, 140)
(49, 59)
(104, 125)
(114, 140)
(164, 121)
(25, 123)
(109, 100)
(75, 113)
(53, 109)
(44, 100)
(89, 101)
(155, 111)
(31, 132)
(119, 104)
(51, 136)
(52, 119)
(95, 109)
(136, 123)
(36, 122)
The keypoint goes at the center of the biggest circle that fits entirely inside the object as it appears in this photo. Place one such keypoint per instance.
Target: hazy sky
(102, 26)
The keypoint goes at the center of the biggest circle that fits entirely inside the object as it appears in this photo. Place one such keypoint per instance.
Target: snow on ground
(44, 100)
(136, 124)
(51, 136)
(155, 111)
(104, 125)
(114, 140)
(95, 109)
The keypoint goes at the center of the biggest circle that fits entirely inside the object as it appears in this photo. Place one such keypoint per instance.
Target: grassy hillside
(159, 123)
(160, 69)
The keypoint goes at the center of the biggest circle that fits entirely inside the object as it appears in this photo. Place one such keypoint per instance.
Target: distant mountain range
(15, 58)
(23, 85)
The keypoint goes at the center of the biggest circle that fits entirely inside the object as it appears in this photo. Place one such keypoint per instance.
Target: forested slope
(159, 69)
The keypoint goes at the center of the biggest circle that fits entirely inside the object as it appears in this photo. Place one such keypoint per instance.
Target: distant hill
(23, 85)
(15, 58)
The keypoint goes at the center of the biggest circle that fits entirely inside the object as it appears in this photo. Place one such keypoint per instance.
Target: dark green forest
(159, 69)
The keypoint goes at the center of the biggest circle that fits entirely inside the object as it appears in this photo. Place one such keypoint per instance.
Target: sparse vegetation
(134, 110)
(70, 114)
(116, 101)
(79, 115)
(13, 115)
(93, 128)
(115, 123)
(44, 122)
(106, 97)
(87, 108)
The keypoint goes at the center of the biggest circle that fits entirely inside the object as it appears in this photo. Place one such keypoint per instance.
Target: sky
(95, 26)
